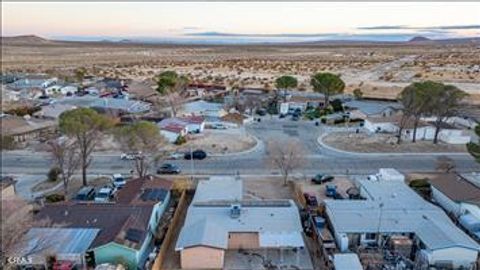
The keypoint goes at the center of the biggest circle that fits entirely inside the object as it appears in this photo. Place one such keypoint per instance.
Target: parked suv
(168, 168)
(197, 154)
(105, 194)
(86, 194)
(322, 178)
(118, 180)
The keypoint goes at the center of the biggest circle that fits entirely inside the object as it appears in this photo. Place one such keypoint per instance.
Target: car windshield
(102, 195)
(118, 179)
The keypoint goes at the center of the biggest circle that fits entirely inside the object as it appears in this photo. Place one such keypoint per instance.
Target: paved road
(318, 159)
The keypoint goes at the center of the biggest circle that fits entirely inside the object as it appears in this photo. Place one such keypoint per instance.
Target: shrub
(53, 174)
(422, 187)
(8, 143)
(53, 198)
(357, 93)
(180, 140)
(337, 105)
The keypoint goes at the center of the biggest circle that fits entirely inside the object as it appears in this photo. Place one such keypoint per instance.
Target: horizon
(217, 22)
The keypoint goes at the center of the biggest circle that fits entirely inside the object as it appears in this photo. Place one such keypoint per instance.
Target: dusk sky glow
(88, 19)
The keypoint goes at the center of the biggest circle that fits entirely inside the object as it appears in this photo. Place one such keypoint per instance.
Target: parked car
(295, 117)
(175, 155)
(322, 178)
(86, 194)
(262, 112)
(310, 199)
(168, 168)
(119, 181)
(218, 126)
(331, 191)
(105, 194)
(197, 154)
(131, 156)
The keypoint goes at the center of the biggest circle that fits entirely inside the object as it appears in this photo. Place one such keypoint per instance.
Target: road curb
(333, 149)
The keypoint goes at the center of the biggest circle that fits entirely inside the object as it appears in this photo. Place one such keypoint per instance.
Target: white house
(202, 108)
(68, 89)
(391, 209)
(425, 131)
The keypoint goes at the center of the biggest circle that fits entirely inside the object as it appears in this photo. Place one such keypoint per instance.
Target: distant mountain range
(36, 40)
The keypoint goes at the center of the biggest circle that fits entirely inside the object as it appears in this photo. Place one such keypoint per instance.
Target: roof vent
(235, 210)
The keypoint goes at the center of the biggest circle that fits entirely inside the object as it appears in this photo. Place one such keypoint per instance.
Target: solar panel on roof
(154, 194)
(134, 235)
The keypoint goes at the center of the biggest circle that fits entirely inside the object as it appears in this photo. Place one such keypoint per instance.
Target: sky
(241, 20)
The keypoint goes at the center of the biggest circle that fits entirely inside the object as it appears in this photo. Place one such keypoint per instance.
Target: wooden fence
(172, 231)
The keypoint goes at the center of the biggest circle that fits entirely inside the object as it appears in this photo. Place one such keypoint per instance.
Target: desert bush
(180, 140)
(53, 174)
(53, 198)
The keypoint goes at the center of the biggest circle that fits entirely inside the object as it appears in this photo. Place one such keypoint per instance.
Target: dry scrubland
(379, 70)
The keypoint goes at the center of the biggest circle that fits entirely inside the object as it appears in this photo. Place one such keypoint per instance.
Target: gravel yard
(220, 141)
(385, 143)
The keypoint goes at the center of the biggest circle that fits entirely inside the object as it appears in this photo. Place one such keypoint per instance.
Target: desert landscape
(380, 70)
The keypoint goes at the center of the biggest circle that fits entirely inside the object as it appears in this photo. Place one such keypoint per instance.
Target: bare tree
(66, 157)
(143, 137)
(285, 156)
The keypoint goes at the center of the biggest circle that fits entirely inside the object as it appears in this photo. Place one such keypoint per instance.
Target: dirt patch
(261, 188)
(220, 141)
(384, 143)
(342, 183)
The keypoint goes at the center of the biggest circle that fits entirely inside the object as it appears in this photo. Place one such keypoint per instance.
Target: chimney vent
(235, 210)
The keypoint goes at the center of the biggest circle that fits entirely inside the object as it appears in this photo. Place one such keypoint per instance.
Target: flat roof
(209, 220)
(347, 261)
(456, 188)
(392, 207)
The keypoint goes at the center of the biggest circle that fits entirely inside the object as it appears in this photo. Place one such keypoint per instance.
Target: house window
(370, 236)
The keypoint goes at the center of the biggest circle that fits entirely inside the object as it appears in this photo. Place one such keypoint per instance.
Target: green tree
(169, 84)
(415, 100)
(444, 102)
(85, 126)
(328, 84)
(474, 148)
(143, 137)
(357, 93)
(286, 83)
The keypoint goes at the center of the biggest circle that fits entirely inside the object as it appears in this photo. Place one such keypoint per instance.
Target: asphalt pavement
(317, 158)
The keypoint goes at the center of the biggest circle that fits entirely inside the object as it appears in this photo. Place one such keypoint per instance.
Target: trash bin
(317, 124)
(357, 131)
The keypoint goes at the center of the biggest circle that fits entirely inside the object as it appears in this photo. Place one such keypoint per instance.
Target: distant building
(126, 227)
(391, 209)
(24, 129)
(425, 131)
(53, 111)
(362, 109)
(202, 108)
(220, 222)
(174, 127)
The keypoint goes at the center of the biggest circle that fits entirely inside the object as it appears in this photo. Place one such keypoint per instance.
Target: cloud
(401, 27)
(382, 27)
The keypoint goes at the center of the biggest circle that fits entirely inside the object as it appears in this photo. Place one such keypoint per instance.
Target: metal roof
(347, 261)
(372, 107)
(392, 207)
(57, 241)
(278, 225)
